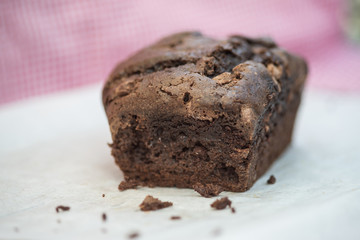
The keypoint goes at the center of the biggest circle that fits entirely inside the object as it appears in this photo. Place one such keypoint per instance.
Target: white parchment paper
(53, 151)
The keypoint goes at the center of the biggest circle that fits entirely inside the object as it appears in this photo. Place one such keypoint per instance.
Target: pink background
(47, 46)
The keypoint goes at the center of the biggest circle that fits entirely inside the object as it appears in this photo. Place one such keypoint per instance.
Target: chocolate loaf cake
(191, 109)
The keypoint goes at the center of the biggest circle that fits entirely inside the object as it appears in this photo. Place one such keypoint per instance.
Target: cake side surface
(190, 109)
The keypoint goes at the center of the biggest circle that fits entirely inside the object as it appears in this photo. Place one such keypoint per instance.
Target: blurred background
(49, 46)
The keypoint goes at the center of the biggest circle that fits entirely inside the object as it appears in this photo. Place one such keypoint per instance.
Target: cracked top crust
(197, 77)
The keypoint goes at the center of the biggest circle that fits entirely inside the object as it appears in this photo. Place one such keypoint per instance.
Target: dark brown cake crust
(190, 109)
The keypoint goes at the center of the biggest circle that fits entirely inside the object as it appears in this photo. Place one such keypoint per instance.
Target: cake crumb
(103, 195)
(62, 208)
(221, 203)
(233, 210)
(207, 190)
(104, 217)
(133, 235)
(125, 185)
(216, 232)
(175, 218)
(151, 204)
(271, 180)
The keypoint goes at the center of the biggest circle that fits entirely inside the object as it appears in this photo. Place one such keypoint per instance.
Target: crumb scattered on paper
(151, 204)
(133, 235)
(271, 180)
(61, 208)
(221, 203)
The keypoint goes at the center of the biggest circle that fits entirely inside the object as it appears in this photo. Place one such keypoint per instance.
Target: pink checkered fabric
(47, 46)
